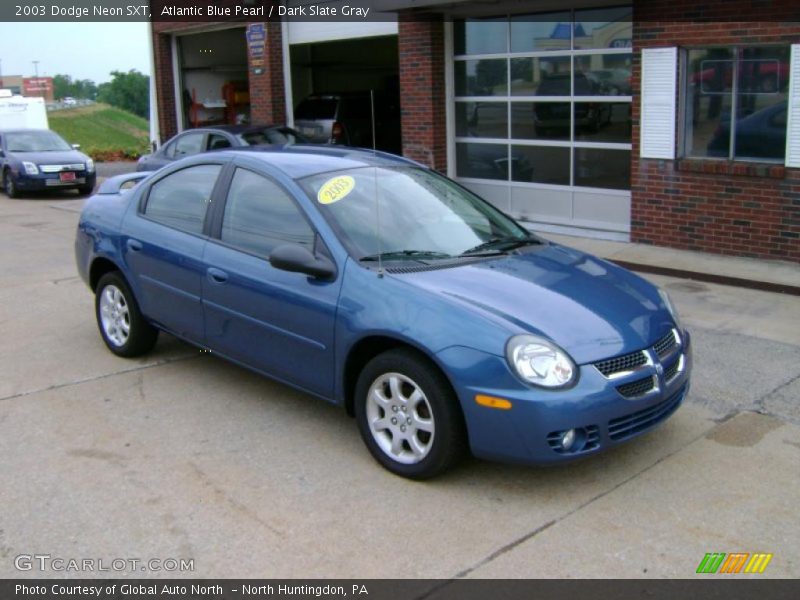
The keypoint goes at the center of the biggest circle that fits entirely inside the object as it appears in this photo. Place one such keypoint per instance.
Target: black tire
(85, 190)
(9, 186)
(141, 336)
(445, 445)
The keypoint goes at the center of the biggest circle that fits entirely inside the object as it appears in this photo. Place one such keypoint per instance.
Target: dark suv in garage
(346, 118)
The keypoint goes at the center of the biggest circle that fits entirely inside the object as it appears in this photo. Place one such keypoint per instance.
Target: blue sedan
(377, 284)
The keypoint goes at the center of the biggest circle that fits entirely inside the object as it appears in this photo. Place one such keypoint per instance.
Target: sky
(81, 50)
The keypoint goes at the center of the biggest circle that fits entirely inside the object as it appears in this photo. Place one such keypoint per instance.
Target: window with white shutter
(659, 80)
(793, 117)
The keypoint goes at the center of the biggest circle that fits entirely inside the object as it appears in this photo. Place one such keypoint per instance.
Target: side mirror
(76, 146)
(299, 259)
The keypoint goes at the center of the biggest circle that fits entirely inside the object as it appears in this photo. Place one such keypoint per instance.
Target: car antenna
(375, 181)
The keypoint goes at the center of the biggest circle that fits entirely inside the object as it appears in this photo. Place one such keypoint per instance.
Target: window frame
(683, 101)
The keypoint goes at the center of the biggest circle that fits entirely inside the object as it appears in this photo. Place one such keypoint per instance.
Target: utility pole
(36, 71)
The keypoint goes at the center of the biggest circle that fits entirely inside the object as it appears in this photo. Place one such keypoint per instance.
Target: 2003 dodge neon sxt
(375, 283)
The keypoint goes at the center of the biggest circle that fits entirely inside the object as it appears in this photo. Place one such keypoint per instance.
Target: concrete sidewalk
(751, 269)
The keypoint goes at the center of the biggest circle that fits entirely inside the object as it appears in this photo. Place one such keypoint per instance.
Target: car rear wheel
(9, 186)
(122, 326)
(408, 415)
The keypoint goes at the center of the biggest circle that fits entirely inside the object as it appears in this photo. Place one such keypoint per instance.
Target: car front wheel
(9, 186)
(408, 415)
(122, 326)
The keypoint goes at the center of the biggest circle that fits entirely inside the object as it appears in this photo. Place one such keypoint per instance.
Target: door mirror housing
(299, 259)
(76, 146)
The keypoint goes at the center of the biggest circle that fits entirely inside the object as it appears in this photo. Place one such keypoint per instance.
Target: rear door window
(180, 199)
(186, 145)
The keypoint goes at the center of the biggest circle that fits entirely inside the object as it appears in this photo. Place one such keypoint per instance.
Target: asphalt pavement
(180, 455)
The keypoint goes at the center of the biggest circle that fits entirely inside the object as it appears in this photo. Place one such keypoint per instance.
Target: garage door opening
(331, 84)
(213, 76)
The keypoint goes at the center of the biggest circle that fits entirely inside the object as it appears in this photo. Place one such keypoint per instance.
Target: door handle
(134, 245)
(216, 275)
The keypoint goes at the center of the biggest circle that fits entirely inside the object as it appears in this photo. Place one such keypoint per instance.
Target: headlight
(670, 307)
(30, 168)
(540, 362)
(89, 165)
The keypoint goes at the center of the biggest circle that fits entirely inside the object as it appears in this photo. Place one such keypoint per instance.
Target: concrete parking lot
(182, 455)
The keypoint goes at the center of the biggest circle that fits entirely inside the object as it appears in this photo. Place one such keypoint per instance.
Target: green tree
(129, 91)
(64, 85)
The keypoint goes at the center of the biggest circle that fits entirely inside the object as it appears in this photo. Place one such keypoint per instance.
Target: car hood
(52, 158)
(591, 308)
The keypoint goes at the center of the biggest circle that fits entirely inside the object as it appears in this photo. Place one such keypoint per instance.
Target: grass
(104, 132)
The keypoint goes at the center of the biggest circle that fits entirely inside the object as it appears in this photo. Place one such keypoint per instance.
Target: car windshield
(418, 215)
(35, 141)
(282, 136)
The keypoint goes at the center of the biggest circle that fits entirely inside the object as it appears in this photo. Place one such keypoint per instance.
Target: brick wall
(422, 90)
(267, 93)
(267, 96)
(736, 208)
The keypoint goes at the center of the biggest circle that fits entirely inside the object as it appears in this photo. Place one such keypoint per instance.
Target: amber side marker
(764, 286)
(492, 402)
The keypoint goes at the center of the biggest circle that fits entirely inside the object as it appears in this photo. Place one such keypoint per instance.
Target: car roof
(24, 130)
(302, 160)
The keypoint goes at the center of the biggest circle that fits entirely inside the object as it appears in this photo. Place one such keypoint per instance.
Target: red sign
(37, 86)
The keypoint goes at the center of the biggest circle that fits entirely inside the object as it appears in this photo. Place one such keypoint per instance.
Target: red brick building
(673, 123)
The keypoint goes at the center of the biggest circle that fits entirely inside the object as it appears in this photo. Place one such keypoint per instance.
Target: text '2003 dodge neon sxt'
(373, 282)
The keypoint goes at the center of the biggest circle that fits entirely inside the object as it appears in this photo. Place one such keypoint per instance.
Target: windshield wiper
(501, 244)
(405, 254)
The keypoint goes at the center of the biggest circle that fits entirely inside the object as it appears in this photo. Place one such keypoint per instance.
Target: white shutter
(657, 111)
(793, 116)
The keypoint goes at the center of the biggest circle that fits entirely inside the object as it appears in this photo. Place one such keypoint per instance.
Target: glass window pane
(540, 76)
(603, 122)
(604, 28)
(708, 102)
(488, 77)
(540, 120)
(603, 168)
(186, 145)
(260, 215)
(483, 161)
(761, 103)
(540, 164)
(480, 36)
(180, 199)
(603, 75)
(544, 31)
(482, 119)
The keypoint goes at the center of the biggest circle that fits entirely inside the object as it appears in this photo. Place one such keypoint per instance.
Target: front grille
(672, 370)
(663, 346)
(637, 388)
(629, 425)
(59, 168)
(620, 364)
(591, 441)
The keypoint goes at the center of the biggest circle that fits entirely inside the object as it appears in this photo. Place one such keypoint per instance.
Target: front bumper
(52, 181)
(530, 431)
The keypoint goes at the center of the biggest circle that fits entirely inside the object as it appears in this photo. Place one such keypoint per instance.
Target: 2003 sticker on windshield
(335, 189)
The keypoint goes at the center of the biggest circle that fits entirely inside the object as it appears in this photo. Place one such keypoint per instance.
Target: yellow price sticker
(335, 189)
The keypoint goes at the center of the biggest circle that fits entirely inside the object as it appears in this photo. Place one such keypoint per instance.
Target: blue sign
(256, 32)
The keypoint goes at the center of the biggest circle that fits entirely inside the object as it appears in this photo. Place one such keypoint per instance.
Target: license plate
(68, 176)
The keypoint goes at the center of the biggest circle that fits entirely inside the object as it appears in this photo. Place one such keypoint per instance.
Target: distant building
(662, 122)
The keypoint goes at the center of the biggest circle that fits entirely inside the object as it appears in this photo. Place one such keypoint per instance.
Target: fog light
(568, 439)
